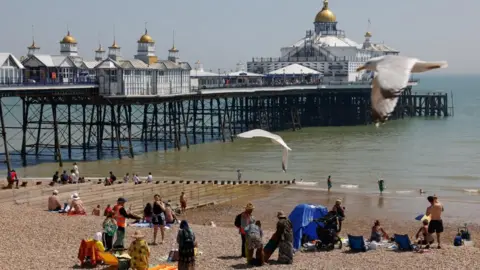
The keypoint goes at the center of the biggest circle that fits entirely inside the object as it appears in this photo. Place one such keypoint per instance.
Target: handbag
(173, 256)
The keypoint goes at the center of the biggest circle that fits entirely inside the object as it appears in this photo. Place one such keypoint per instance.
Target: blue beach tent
(302, 218)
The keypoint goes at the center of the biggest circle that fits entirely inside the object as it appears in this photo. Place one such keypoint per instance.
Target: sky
(222, 33)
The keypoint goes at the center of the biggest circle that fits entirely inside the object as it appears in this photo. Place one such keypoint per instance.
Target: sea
(438, 155)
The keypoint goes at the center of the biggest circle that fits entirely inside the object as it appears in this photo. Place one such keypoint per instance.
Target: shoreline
(392, 205)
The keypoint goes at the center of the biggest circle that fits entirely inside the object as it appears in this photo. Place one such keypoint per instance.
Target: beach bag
(238, 220)
(457, 241)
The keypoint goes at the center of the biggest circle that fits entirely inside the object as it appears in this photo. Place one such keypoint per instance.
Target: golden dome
(33, 46)
(100, 48)
(368, 34)
(69, 39)
(146, 38)
(173, 49)
(114, 45)
(325, 15)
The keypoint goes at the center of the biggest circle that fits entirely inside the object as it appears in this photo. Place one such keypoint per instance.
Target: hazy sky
(221, 33)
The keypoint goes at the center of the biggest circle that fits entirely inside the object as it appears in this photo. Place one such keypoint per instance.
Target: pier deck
(58, 123)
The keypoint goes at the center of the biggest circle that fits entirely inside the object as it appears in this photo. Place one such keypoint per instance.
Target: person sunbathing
(77, 207)
(427, 239)
(378, 232)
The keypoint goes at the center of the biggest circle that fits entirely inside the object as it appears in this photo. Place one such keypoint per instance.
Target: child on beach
(107, 210)
(427, 238)
(254, 235)
(109, 230)
(147, 213)
(378, 232)
(96, 211)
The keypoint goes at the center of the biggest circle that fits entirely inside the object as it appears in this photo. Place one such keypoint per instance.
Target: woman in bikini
(158, 218)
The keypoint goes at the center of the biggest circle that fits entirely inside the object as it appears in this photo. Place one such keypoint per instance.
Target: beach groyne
(199, 193)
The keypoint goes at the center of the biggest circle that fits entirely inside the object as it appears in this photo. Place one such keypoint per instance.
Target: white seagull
(274, 138)
(392, 73)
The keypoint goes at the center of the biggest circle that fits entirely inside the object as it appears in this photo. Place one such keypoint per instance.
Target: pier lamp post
(301, 72)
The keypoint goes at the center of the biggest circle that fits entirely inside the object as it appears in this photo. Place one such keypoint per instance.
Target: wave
(459, 177)
(306, 183)
(349, 186)
(403, 191)
(471, 190)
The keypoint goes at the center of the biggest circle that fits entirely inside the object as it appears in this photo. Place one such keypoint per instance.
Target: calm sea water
(439, 155)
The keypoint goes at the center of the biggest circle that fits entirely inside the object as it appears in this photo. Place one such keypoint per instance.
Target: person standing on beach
(239, 175)
(339, 212)
(246, 218)
(381, 185)
(121, 215)
(435, 212)
(329, 183)
(158, 218)
(75, 169)
(183, 202)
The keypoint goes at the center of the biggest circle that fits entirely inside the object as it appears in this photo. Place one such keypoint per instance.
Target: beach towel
(356, 243)
(164, 267)
(403, 242)
(270, 247)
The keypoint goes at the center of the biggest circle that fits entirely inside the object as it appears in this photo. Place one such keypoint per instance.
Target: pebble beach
(35, 239)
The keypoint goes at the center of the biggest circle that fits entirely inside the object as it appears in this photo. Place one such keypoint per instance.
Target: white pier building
(144, 75)
(326, 49)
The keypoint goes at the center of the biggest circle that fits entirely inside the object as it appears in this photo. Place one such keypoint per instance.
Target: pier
(74, 122)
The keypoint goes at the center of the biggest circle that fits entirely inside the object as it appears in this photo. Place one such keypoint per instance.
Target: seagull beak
(360, 68)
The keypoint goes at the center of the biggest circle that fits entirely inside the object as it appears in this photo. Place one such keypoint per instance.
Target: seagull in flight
(392, 73)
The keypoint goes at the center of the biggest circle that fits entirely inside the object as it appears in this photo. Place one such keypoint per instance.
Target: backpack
(238, 220)
(187, 236)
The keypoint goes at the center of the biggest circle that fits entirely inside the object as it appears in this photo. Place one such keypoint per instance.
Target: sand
(36, 239)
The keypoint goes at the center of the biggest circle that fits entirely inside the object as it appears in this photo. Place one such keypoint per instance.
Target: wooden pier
(82, 125)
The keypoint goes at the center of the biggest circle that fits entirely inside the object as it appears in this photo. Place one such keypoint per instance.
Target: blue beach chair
(356, 243)
(403, 242)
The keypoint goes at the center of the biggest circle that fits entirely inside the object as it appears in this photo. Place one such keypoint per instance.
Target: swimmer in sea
(422, 191)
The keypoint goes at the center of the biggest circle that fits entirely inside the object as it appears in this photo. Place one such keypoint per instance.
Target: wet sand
(391, 208)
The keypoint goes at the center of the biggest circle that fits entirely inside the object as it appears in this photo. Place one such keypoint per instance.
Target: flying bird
(274, 137)
(392, 73)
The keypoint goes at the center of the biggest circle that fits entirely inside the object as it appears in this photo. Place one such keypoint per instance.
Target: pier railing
(47, 83)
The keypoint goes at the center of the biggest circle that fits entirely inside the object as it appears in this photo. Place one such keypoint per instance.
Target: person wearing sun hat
(246, 218)
(139, 252)
(285, 239)
(77, 207)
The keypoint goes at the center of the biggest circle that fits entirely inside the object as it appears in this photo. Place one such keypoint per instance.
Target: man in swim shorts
(435, 212)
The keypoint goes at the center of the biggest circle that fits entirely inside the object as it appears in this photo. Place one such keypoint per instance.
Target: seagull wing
(265, 134)
(391, 78)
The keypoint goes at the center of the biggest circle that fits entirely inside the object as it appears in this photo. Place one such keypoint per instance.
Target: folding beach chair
(403, 242)
(356, 243)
